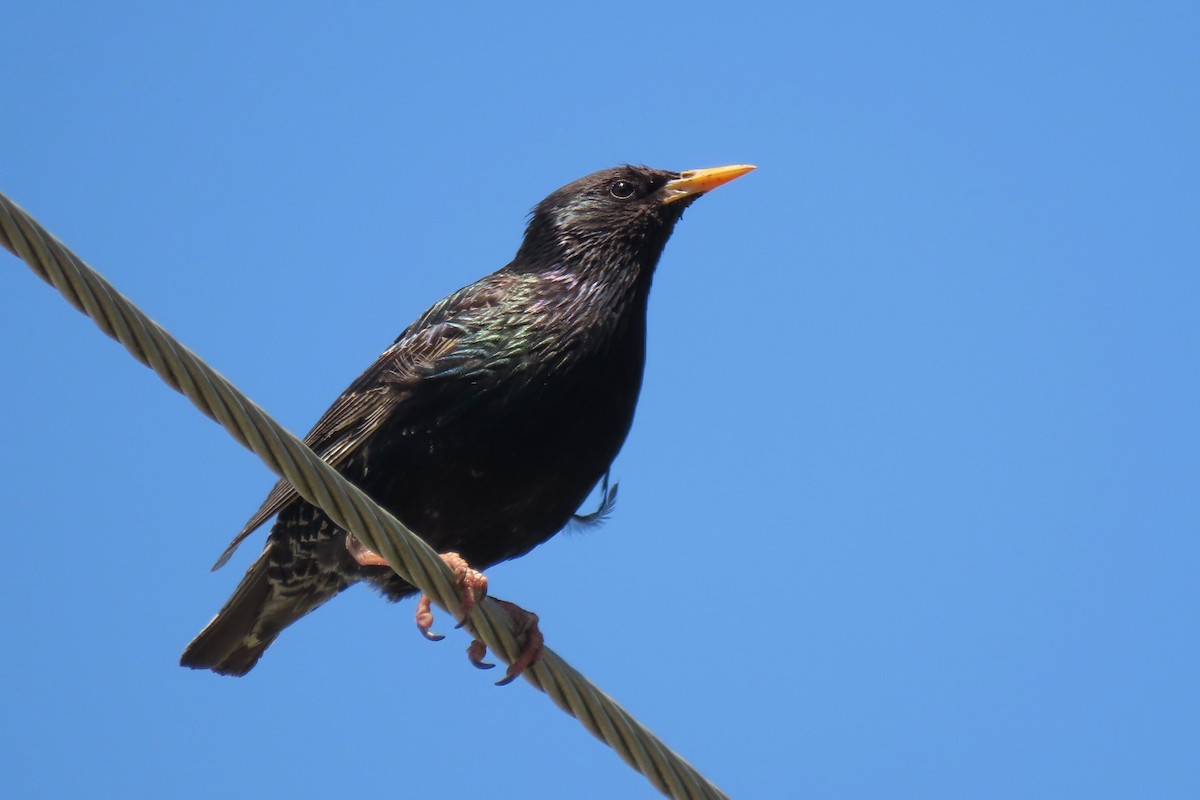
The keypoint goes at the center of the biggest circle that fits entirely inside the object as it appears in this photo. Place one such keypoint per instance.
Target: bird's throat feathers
(604, 270)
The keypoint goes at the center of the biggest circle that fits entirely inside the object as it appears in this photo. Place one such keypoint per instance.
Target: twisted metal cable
(348, 506)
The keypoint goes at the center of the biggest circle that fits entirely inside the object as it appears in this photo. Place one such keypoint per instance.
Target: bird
(489, 420)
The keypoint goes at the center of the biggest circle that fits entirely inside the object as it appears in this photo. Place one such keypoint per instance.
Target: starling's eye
(622, 190)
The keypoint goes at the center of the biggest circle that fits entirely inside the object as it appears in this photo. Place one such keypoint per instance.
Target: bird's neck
(608, 293)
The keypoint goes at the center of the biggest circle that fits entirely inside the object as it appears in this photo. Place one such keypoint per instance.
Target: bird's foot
(363, 554)
(531, 650)
(473, 588)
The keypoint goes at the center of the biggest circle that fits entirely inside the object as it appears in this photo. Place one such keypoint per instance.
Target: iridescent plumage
(491, 417)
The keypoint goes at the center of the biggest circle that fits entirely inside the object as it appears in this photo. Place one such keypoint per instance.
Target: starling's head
(620, 217)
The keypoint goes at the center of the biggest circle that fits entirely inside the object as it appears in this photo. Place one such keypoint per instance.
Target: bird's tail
(255, 615)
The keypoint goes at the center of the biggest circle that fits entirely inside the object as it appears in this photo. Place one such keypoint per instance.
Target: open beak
(699, 181)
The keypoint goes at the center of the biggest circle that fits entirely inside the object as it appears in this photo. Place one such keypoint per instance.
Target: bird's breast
(494, 480)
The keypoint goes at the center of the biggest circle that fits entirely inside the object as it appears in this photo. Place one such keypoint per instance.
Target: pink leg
(425, 619)
(531, 650)
(362, 554)
(473, 586)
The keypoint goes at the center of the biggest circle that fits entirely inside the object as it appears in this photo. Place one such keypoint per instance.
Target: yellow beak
(699, 181)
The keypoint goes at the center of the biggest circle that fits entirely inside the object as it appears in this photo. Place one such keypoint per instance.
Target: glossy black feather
(488, 421)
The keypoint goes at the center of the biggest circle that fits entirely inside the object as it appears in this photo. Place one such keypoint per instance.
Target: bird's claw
(425, 619)
(475, 652)
(473, 588)
(531, 650)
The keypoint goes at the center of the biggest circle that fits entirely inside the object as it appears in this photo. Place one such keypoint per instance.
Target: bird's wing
(427, 349)
(351, 419)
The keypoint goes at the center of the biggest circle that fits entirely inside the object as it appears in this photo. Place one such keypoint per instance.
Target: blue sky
(910, 505)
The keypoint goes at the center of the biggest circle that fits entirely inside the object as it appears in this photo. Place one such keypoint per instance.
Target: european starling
(489, 420)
